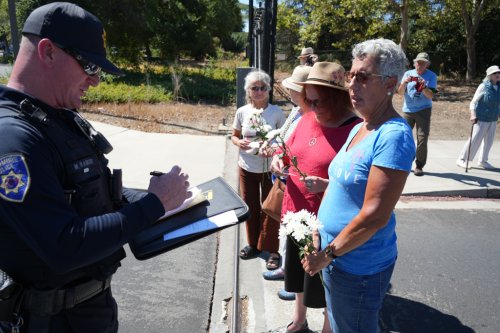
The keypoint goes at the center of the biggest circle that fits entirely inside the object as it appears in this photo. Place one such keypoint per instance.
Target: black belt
(50, 302)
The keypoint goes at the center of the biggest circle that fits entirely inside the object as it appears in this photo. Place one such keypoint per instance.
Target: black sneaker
(418, 172)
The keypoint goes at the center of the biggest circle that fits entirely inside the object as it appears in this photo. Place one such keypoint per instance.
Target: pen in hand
(156, 173)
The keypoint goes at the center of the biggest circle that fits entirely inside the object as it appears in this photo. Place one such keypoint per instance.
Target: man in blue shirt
(418, 86)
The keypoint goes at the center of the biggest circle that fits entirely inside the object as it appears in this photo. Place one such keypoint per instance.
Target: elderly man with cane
(485, 111)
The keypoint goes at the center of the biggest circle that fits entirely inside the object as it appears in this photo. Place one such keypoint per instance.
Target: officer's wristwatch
(329, 252)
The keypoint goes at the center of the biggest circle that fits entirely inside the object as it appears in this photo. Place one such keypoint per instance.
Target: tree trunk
(404, 25)
(471, 24)
(471, 58)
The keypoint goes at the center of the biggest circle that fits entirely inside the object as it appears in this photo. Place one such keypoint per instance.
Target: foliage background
(148, 38)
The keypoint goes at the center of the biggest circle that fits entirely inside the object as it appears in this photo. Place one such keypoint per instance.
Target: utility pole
(262, 35)
(13, 27)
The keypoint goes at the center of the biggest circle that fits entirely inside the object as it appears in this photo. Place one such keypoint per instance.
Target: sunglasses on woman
(261, 88)
(361, 77)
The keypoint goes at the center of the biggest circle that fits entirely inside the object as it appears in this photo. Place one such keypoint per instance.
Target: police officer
(63, 215)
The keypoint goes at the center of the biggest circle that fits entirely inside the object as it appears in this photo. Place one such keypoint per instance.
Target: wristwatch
(329, 252)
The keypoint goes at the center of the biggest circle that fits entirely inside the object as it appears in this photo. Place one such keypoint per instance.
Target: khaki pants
(422, 121)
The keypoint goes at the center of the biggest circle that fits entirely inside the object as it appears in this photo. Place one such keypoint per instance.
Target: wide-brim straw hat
(492, 70)
(299, 75)
(306, 51)
(327, 74)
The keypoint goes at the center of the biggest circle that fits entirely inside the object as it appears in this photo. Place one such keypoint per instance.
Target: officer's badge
(14, 177)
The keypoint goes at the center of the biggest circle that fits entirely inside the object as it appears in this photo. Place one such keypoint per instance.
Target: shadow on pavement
(465, 178)
(406, 316)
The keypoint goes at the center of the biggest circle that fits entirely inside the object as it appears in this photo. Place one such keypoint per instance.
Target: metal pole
(251, 42)
(236, 293)
(273, 45)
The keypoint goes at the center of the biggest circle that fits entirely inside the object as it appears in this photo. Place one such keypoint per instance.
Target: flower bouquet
(300, 227)
(258, 124)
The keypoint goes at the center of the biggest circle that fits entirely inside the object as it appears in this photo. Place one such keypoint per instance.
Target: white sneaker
(485, 165)
(461, 163)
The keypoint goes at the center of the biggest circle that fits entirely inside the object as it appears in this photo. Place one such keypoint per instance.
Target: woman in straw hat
(484, 113)
(255, 178)
(291, 83)
(315, 142)
(357, 250)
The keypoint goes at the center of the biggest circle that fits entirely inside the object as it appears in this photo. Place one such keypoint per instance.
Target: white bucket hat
(492, 70)
(299, 75)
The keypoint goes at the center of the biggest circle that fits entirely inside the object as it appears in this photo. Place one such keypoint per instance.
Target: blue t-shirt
(390, 146)
(415, 101)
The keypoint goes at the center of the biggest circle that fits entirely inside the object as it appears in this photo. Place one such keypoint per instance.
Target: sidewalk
(206, 157)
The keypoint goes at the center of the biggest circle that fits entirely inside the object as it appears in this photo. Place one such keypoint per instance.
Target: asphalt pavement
(206, 157)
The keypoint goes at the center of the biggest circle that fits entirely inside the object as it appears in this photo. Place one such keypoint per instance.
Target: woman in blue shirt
(356, 246)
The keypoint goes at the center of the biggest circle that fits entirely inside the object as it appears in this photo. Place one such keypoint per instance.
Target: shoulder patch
(14, 177)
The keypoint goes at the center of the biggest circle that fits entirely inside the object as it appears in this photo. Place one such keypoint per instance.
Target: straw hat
(328, 74)
(299, 75)
(492, 70)
(306, 51)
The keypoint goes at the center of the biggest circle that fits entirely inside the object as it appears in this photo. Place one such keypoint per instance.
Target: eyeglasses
(261, 88)
(361, 77)
(89, 67)
(314, 103)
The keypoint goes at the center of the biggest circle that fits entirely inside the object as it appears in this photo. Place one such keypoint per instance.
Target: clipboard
(220, 197)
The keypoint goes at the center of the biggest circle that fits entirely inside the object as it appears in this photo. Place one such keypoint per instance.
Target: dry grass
(450, 114)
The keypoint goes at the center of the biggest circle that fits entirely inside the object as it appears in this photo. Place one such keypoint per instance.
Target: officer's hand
(171, 188)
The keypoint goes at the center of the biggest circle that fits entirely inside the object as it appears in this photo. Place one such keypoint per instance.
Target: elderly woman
(255, 178)
(484, 113)
(357, 248)
(316, 140)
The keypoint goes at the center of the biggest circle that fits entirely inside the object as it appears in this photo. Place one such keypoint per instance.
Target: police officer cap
(72, 27)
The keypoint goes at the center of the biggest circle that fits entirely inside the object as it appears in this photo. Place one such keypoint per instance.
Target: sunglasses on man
(89, 67)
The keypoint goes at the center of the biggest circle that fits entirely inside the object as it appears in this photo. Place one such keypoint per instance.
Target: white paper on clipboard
(210, 223)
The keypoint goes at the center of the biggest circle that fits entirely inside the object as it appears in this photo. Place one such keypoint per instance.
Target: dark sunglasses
(361, 77)
(261, 88)
(314, 104)
(89, 67)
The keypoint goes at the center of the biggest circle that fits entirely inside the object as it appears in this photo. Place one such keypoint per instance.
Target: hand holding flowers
(301, 226)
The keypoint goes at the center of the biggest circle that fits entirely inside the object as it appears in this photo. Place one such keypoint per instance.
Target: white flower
(283, 231)
(272, 134)
(299, 225)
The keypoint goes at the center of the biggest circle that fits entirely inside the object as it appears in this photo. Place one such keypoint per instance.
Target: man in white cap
(418, 87)
(484, 114)
(307, 56)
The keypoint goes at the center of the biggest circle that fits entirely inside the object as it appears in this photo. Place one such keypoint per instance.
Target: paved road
(447, 278)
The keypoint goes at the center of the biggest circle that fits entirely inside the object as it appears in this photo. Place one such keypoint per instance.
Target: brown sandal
(273, 262)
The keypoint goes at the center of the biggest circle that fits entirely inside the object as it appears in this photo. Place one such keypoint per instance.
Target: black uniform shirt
(44, 242)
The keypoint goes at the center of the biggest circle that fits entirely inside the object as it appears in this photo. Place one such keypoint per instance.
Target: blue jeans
(354, 301)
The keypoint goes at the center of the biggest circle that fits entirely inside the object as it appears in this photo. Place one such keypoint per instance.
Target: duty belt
(50, 302)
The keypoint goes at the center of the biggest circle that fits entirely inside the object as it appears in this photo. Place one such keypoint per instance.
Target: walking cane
(470, 144)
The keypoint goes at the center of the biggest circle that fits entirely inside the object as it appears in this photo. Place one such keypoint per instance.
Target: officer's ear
(46, 51)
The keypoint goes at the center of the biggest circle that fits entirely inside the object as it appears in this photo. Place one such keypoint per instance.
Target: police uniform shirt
(44, 241)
